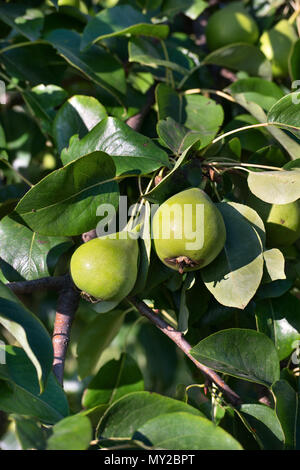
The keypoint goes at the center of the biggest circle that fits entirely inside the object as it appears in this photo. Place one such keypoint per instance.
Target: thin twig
(178, 339)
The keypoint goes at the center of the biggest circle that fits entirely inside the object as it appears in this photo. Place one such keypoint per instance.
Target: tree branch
(67, 305)
(178, 339)
(45, 283)
(136, 121)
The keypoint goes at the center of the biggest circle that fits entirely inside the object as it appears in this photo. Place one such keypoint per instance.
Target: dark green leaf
(31, 255)
(26, 21)
(191, 8)
(42, 99)
(72, 433)
(28, 331)
(66, 201)
(121, 20)
(151, 53)
(285, 113)
(20, 392)
(34, 62)
(287, 411)
(289, 144)
(184, 431)
(95, 338)
(96, 63)
(114, 379)
(77, 116)
(144, 251)
(239, 352)
(177, 137)
(244, 57)
(294, 61)
(132, 411)
(277, 319)
(30, 434)
(259, 91)
(263, 423)
(188, 111)
(131, 152)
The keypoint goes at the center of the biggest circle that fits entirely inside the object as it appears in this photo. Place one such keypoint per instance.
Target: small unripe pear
(282, 221)
(229, 25)
(106, 268)
(277, 45)
(188, 230)
(69, 3)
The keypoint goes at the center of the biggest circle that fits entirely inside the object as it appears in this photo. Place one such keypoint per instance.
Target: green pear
(277, 45)
(106, 268)
(230, 25)
(282, 221)
(188, 231)
(69, 3)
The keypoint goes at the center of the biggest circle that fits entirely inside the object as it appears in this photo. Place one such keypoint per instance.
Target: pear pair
(188, 232)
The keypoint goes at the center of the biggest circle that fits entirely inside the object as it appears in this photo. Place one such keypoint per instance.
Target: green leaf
(294, 59)
(187, 111)
(29, 331)
(285, 113)
(289, 144)
(77, 116)
(184, 431)
(34, 62)
(273, 289)
(144, 251)
(264, 425)
(29, 433)
(239, 352)
(257, 90)
(234, 276)
(114, 380)
(31, 255)
(287, 411)
(71, 433)
(276, 318)
(274, 265)
(241, 56)
(275, 187)
(95, 338)
(97, 64)
(26, 21)
(176, 180)
(125, 416)
(65, 202)
(42, 100)
(177, 137)
(183, 317)
(131, 152)
(9, 197)
(20, 391)
(121, 20)
(152, 54)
